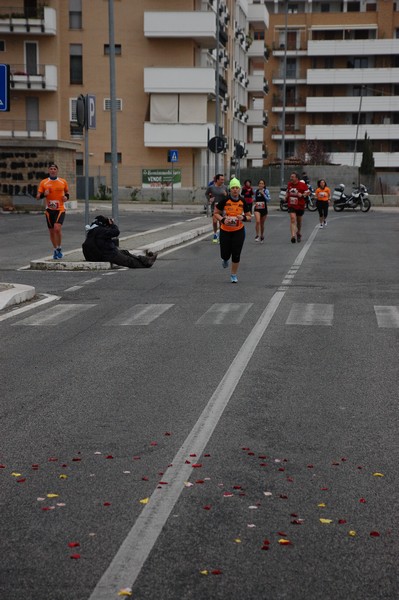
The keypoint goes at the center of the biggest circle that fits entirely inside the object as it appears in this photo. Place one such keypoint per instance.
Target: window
(108, 157)
(325, 8)
(75, 14)
(75, 63)
(118, 49)
(107, 103)
(2, 46)
(74, 128)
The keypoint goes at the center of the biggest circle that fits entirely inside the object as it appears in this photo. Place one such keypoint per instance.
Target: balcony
(256, 117)
(352, 76)
(193, 25)
(353, 47)
(255, 150)
(258, 13)
(292, 132)
(179, 135)
(381, 159)
(43, 130)
(179, 80)
(292, 105)
(45, 78)
(342, 104)
(348, 132)
(41, 20)
(292, 77)
(258, 49)
(257, 83)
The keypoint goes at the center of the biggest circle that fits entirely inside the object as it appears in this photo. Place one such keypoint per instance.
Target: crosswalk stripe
(311, 314)
(140, 314)
(224, 314)
(387, 316)
(55, 315)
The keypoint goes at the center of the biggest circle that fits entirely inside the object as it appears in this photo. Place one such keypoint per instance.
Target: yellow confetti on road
(352, 533)
(144, 501)
(326, 521)
(52, 495)
(378, 474)
(205, 572)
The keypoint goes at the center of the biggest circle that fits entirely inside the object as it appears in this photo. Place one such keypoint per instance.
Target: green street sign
(151, 178)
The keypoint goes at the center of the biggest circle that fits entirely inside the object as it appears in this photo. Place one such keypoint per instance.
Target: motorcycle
(310, 200)
(359, 198)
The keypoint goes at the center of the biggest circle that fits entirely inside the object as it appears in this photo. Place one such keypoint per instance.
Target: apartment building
(167, 57)
(334, 78)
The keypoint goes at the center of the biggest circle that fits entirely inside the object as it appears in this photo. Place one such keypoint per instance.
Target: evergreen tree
(367, 164)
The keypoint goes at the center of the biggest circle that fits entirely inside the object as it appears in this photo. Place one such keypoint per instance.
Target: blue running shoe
(59, 253)
(225, 264)
(215, 239)
(55, 254)
(234, 279)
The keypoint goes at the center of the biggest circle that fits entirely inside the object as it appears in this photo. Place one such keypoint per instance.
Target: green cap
(234, 183)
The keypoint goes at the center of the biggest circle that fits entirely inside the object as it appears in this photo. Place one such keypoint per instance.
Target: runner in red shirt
(297, 191)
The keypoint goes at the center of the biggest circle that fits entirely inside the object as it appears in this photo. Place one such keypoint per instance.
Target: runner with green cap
(232, 212)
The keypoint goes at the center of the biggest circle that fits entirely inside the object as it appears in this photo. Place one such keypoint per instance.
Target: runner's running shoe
(215, 239)
(225, 264)
(298, 237)
(59, 253)
(234, 279)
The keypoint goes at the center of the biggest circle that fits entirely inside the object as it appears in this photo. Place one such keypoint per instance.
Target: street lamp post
(358, 123)
(114, 146)
(284, 97)
(217, 83)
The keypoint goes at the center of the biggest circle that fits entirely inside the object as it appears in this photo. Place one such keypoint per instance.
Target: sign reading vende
(160, 177)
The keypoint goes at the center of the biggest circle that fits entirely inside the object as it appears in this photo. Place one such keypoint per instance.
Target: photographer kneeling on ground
(99, 245)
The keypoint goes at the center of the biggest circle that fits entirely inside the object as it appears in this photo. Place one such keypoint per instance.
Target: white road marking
(74, 288)
(140, 314)
(55, 315)
(48, 298)
(224, 314)
(135, 549)
(387, 316)
(311, 314)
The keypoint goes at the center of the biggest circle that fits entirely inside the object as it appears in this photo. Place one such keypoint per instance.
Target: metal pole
(172, 181)
(114, 145)
(357, 126)
(87, 217)
(217, 90)
(284, 96)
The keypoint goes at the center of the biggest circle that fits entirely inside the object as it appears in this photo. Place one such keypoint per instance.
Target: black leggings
(231, 243)
(322, 207)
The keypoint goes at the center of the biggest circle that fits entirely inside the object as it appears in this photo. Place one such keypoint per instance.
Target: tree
(367, 164)
(312, 152)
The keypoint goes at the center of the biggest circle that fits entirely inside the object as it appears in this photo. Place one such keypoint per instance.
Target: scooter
(358, 199)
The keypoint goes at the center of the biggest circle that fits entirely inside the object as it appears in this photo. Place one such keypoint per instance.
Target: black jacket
(99, 244)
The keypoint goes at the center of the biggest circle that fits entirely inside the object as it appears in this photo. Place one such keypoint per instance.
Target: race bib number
(53, 204)
(260, 205)
(293, 200)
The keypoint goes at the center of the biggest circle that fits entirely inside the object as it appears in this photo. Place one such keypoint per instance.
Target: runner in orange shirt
(323, 196)
(55, 190)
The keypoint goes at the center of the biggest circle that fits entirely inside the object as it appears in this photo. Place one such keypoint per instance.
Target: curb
(82, 265)
(15, 294)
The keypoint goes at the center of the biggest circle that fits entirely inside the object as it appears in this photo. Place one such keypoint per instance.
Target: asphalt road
(167, 431)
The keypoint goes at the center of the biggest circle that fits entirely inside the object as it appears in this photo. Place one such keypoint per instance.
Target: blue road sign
(91, 111)
(4, 88)
(173, 156)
